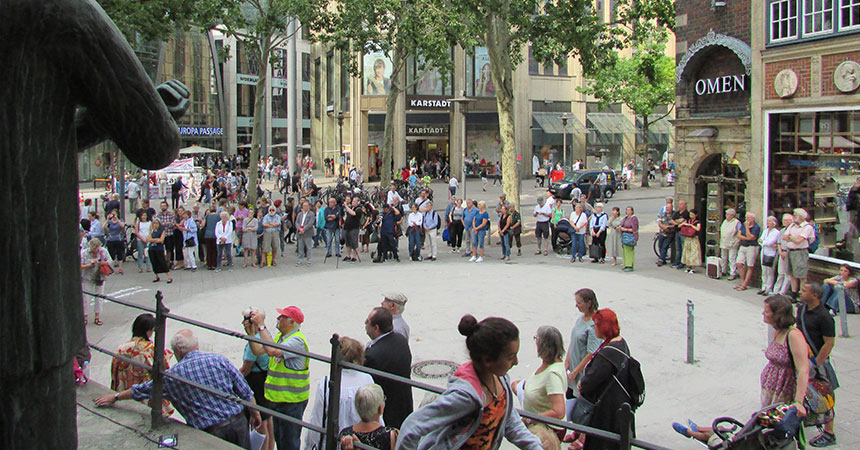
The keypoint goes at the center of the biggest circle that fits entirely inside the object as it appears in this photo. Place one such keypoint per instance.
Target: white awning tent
(196, 149)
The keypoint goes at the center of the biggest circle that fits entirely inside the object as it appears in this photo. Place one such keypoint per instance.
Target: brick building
(715, 162)
(805, 115)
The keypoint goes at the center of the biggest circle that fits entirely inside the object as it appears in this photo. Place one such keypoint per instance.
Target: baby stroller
(772, 428)
(563, 240)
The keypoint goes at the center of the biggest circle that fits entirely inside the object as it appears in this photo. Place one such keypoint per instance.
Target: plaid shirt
(168, 221)
(199, 408)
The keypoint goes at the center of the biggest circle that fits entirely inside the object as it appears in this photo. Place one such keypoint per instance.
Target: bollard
(843, 312)
(690, 329)
(158, 361)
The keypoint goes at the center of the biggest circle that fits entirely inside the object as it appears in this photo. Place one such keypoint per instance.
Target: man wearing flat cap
(396, 303)
(288, 382)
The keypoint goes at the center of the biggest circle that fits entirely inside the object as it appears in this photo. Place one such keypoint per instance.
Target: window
(317, 88)
(849, 14)
(329, 78)
(306, 67)
(534, 67)
(562, 68)
(817, 16)
(783, 20)
(344, 84)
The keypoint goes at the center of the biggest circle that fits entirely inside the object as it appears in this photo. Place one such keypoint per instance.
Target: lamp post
(460, 101)
(563, 118)
(340, 140)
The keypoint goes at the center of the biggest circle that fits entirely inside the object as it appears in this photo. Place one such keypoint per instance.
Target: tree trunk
(645, 126)
(259, 119)
(397, 62)
(498, 40)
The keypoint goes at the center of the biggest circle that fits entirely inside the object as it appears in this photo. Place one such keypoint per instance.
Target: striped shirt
(200, 408)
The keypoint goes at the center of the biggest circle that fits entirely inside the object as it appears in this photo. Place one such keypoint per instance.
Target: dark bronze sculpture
(68, 79)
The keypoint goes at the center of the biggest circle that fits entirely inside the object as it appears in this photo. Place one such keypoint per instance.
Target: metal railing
(336, 365)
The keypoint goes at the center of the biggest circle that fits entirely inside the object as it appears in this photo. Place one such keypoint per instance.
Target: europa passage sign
(721, 85)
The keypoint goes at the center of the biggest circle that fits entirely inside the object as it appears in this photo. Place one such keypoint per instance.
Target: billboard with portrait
(483, 81)
(377, 73)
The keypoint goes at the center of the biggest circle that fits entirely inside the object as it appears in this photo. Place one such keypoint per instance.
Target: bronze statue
(69, 80)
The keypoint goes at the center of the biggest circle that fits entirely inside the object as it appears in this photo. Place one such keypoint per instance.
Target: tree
(403, 30)
(642, 81)
(155, 20)
(261, 26)
(554, 30)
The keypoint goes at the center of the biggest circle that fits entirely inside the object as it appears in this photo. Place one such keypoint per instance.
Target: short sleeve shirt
(819, 325)
(541, 210)
(540, 386)
(262, 361)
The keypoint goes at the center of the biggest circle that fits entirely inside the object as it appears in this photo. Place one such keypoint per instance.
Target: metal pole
(843, 313)
(332, 428)
(690, 330)
(121, 186)
(158, 360)
(464, 153)
(625, 416)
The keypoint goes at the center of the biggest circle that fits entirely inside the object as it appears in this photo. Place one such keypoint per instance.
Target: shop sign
(421, 102)
(201, 131)
(421, 130)
(721, 85)
(246, 79)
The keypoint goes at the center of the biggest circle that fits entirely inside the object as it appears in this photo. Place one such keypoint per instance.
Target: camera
(247, 316)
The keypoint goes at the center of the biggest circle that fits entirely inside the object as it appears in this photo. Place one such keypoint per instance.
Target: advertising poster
(483, 78)
(377, 73)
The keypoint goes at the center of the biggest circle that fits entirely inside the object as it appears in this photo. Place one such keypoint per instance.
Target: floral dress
(692, 256)
(124, 375)
(777, 379)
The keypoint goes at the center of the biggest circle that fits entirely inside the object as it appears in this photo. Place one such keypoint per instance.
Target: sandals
(98, 322)
(740, 288)
(823, 440)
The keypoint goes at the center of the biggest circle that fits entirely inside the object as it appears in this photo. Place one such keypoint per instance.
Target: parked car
(583, 179)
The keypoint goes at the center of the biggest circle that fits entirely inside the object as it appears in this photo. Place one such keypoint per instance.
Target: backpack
(635, 388)
(813, 246)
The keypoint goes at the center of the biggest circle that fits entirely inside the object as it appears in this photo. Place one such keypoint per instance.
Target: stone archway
(737, 46)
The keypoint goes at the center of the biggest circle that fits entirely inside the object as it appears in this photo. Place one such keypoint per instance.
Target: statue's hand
(175, 96)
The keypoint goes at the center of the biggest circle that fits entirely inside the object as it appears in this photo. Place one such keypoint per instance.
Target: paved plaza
(730, 337)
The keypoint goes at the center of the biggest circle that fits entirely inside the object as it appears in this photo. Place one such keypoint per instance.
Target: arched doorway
(720, 185)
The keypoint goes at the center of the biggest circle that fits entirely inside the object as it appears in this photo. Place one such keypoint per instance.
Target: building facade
(553, 121)
(806, 115)
(716, 164)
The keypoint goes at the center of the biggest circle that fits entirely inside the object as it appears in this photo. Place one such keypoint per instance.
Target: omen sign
(721, 85)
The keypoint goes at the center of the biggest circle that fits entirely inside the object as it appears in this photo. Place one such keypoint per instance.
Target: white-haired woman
(92, 279)
(369, 403)
(769, 241)
(544, 389)
(783, 279)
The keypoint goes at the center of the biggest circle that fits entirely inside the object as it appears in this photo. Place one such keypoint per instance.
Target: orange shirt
(491, 421)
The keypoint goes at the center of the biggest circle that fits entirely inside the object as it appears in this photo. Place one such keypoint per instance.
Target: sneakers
(480, 259)
(473, 259)
(824, 439)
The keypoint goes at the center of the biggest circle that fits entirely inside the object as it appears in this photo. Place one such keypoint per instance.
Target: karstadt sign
(721, 85)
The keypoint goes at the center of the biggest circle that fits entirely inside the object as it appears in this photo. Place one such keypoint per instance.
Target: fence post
(158, 360)
(843, 312)
(690, 330)
(331, 421)
(625, 416)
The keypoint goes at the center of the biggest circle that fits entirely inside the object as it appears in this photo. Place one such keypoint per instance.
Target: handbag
(628, 239)
(105, 268)
(446, 235)
(819, 400)
(688, 231)
(190, 242)
(595, 252)
(767, 260)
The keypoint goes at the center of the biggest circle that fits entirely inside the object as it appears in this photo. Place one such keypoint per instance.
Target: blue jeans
(479, 238)
(830, 298)
(578, 250)
(414, 244)
(331, 236)
(679, 249)
(506, 245)
(141, 255)
(222, 249)
(319, 236)
(664, 242)
(288, 435)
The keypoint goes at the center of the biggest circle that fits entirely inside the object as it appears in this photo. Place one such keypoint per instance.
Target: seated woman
(369, 402)
(849, 284)
(544, 389)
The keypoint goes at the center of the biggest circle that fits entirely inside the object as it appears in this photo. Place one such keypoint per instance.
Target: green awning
(609, 123)
(550, 123)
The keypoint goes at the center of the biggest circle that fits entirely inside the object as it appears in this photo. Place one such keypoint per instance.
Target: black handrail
(330, 431)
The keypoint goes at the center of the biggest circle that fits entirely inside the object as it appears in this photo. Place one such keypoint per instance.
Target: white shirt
(579, 220)
(415, 219)
(224, 230)
(453, 182)
(350, 381)
(391, 196)
(541, 210)
(133, 190)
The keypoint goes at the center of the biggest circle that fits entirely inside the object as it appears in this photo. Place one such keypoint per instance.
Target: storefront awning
(550, 123)
(609, 123)
(657, 124)
(834, 142)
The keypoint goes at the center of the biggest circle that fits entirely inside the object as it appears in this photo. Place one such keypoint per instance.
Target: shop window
(849, 14)
(814, 162)
(817, 16)
(783, 20)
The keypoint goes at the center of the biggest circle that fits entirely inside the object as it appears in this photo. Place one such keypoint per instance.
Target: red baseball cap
(293, 312)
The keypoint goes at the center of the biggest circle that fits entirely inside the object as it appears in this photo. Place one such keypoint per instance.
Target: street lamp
(564, 118)
(460, 101)
(340, 134)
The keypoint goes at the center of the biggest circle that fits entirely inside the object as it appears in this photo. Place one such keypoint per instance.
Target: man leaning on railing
(217, 416)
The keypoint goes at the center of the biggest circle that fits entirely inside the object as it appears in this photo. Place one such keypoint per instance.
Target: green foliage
(156, 20)
(643, 81)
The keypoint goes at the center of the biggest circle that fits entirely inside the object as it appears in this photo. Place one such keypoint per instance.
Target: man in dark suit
(389, 352)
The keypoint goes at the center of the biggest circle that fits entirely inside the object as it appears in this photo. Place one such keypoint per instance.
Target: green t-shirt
(540, 386)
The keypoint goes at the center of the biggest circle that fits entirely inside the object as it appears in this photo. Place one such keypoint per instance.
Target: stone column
(457, 127)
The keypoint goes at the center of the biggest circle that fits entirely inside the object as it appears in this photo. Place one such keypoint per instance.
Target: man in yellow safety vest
(288, 383)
